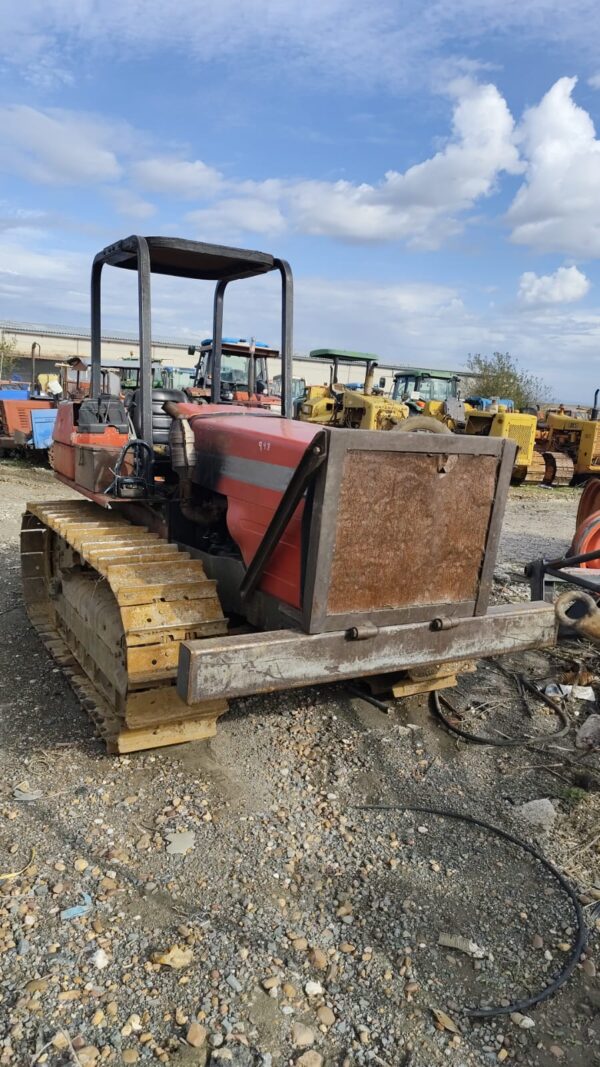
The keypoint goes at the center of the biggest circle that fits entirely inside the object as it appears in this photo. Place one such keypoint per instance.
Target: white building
(57, 343)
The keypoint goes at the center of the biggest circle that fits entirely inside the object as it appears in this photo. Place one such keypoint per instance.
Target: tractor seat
(160, 420)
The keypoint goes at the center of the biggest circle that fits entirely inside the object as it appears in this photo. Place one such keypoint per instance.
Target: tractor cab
(244, 372)
(419, 388)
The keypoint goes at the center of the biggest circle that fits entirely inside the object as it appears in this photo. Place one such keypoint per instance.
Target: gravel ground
(291, 924)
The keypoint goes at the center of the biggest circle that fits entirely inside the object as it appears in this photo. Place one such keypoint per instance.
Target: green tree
(500, 375)
(8, 356)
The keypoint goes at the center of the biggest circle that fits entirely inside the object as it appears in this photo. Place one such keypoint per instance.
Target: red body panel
(16, 415)
(250, 460)
(67, 439)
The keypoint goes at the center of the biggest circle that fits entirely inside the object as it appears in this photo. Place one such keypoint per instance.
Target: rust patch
(411, 530)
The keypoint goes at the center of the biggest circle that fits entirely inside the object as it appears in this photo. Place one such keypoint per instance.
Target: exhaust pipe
(369, 376)
(594, 414)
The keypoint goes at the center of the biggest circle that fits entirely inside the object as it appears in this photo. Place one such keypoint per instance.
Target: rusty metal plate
(411, 530)
(243, 664)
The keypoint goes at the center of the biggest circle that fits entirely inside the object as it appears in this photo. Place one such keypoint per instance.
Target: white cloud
(424, 204)
(380, 42)
(129, 204)
(56, 146)
(241, 214)
(189, 179)
(565, 286)
(557, 209)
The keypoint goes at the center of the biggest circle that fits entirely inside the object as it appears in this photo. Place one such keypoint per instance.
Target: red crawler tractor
(224, 551)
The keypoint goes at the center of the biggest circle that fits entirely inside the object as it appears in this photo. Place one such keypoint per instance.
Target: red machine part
(67, 439)
(15, 416)
(587, 539)
(589, 501)
(250, 460)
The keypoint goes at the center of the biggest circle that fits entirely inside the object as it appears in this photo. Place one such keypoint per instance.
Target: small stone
(130, 1055)
(196, 1035)
(347, 948)
(81, 865)
(100, 959)
(309, 1059)
(525, 1022)
(318, 958)
(302, 1035)
(175, 957)
(180, 843)
(503, 1055)
(37, 985)
(325, 1016)
(271, 982)
(98, 1017)
(564, 946)
(289, 990)
(143, 843)
(180, 1017)
(313, 989)
(537, 941)
(88, 1055)
(60, 1040)
(557, 1051)
(539, 813)
(589, 968)
(300, 944)
(234, 983)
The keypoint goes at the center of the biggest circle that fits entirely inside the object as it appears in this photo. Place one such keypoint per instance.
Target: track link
(534, 473)
(112, 602)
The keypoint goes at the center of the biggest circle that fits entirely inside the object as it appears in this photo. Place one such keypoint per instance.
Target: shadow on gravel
(38, 709)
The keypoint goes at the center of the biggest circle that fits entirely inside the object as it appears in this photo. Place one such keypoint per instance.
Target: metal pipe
(96, 324)
(594, 414)
(287, 336)
(36, 344)
(217, 342)
(251, 368)
(369, 376)
(145, 325)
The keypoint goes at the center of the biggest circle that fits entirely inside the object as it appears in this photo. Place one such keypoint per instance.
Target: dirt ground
(305, 922)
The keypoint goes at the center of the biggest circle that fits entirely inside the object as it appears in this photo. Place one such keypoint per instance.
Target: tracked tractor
(570, 446)
(238, 552)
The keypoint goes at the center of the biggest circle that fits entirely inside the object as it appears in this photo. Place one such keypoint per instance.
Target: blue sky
(432, 172)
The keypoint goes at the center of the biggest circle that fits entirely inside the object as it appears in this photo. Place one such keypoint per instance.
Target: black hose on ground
(566, 971)
(436, 702)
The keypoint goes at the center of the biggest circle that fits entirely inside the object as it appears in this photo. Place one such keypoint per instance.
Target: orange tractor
(220, 551)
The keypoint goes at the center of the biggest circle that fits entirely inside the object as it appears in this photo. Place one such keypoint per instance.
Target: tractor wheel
(421, 424)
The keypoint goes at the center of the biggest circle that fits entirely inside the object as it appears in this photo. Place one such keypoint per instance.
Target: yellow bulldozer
(570, 446)
(357, 406)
